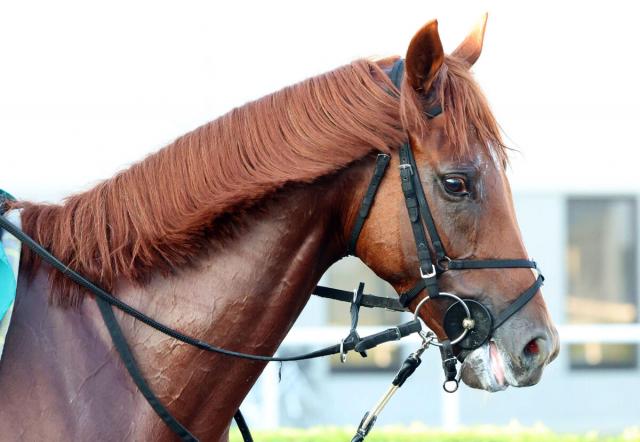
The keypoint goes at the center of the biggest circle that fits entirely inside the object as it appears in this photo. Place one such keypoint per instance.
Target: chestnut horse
(224, 234)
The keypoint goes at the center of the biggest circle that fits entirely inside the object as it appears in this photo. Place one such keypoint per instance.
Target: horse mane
(162, 212)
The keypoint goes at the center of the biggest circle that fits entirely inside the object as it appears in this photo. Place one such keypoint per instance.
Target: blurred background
(87, 88)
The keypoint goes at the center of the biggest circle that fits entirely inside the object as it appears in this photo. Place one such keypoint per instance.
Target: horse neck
(243, 295)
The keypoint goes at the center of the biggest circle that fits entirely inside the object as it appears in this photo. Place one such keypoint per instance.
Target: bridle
(470, 322)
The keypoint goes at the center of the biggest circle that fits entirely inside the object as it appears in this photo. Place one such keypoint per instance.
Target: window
(602, 275)
(346, 275)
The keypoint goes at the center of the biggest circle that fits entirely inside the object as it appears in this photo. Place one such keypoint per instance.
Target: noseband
(468, 323)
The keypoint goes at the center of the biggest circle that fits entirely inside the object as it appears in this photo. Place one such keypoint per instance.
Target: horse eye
(455, 185)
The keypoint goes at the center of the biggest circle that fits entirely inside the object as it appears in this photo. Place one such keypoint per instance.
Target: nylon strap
(382, 161)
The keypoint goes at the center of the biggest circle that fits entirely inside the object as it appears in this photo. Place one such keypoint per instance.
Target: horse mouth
(485, 368)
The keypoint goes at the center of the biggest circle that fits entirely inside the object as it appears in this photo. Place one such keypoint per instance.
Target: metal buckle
(404, 166)
(431, 274)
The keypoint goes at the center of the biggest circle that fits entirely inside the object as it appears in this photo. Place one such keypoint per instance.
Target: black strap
(370, 301)
(397, 72)
(449, 361)
(468, 264)
(355, 306)
(110, 299)
(132, 367)
(390, 334)
(520, 302)
(431, 284)
(427, 269)
(243, 427)
(425, 212)
(382, 161)
(355, 315)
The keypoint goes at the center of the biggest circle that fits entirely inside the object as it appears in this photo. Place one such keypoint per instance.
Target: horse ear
(470, 49)
(424, 57)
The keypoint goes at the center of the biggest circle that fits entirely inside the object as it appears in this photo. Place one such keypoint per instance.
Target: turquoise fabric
(7, 278)
(7, 283)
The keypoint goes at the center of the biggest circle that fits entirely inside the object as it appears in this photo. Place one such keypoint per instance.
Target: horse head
(462, 163)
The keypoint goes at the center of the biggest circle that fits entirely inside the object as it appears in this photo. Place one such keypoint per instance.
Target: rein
(469, 321)
(105, 302)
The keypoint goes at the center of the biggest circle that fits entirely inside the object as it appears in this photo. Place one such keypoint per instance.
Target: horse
(225, 232)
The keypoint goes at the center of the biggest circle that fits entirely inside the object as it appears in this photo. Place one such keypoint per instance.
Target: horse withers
(224, 233)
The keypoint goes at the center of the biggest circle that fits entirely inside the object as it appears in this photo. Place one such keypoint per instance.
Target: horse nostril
(532, 348)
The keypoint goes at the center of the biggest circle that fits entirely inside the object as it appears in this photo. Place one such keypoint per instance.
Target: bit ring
(468, 319)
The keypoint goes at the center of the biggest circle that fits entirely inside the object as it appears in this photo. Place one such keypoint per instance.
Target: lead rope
(406, 370)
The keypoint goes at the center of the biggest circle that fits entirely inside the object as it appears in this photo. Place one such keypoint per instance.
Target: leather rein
(470, 322)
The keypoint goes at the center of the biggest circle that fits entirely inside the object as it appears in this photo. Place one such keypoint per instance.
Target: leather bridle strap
(370, 301)
(132, 367)
(382, 161)
(419, 212)
(520, 302)
(436, 242)
(426, 266)
(470, 264)
(408, 296)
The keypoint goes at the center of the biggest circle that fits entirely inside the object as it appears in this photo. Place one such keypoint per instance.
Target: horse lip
(496, 363)
(477, 370)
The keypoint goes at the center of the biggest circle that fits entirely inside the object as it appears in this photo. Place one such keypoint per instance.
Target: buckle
(404, 166)
(431, 274)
